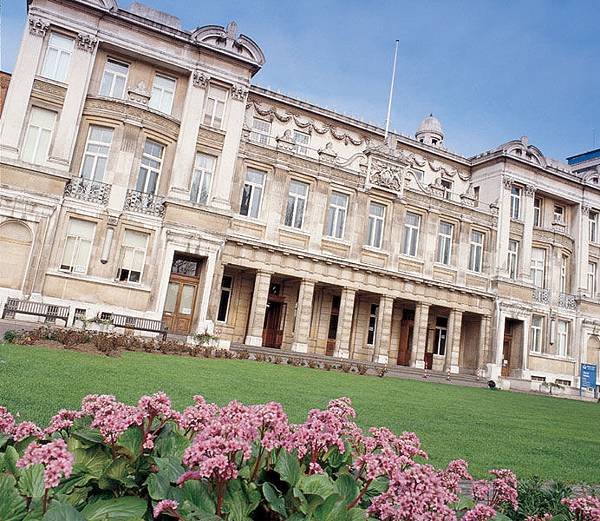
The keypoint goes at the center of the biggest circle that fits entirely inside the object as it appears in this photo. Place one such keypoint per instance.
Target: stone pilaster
(453, 343)
(483, 353)
(258, 309)
(526, 245)
(417, 353)
(503, 231)
(384, 330)
(344, 329)
(582, 245)
(303, 316)
(215, 292)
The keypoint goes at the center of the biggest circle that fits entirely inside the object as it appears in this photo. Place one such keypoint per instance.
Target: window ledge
(445, 266)
(341, 242)
(550, 356)
(52, 81)
(99, 280)
(246, 219)
(372, 249)
(410, 258)
(213, 129)
(291, 229)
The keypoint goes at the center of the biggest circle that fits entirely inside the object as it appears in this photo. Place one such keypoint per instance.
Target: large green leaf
(317, 484)
(273, 497)
(500, 517)
(171, 442)
(240, 501)
(88, 436)
(332, 509)
(131, 442)
(12, 505)
(120, 509)
(170, 467)
(91, 462)
(31, 482)
(288, 468)
(62, 512)
(11, 456)
(159, 486)
(196, 492)
(346, 486)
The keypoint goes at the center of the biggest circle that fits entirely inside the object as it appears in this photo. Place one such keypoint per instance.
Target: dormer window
(447, 186)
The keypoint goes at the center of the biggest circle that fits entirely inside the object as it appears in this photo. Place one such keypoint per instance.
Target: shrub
(346, 368)
(381, 371)
(362, 368)
(243, 354)
(10, 335)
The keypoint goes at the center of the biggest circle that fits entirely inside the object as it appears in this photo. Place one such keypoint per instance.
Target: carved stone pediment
(386, 175)
(139, 94)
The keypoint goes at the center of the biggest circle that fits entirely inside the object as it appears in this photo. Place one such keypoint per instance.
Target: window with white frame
(296, 204)
(412, 226)
(476, 251)
(441, 336)
(375, 225)
(516, 193)
(564, 273)
(150, 167)
(225, 299)
(592, 278)
(562, 337)
(301, 140)
(78, 246)
(204, 168)
(132, 256)
(261, 131)
(444, 245)
(336, 215)
(252, 193)
(372, 330)
(214, 107)
(95, 156)
(559, 214)
(538, 263)
(38, 135)
(594, 227)
(163, 92)
(537, 211)
(114, 79)
(537, 323)
(512, 262)
(58, 57)
(447, 186)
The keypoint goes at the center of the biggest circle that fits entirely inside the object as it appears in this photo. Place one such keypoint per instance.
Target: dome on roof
(430, 132)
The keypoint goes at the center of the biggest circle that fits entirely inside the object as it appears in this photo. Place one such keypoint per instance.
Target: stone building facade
(143, 173)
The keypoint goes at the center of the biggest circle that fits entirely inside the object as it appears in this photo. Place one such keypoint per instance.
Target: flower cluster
(501, 491)
(55, 457)
(61, 421)
(111, 417)
(26, 430)
(586, 508)
(166, 506)
(7, 422)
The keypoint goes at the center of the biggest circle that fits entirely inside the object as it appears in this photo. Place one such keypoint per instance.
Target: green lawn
(533, 435)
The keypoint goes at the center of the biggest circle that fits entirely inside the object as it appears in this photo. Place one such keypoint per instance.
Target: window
(58, 57)
(592, 284)
(39, 133)
(302, 140)
(296, 204)
(375, 225)
(537, 211)
(559, 214)
(476, 251)
(336, 215)
(95, 156)
(114, 79)
(515, 202)
(133, 255)
(226, 288)
(562, 337)
(252, 193)
(163, 92)
(536, 333)
(204, 168)
(214, 108)
(412, 225)
(261, 131)
(512, 263)
(150, 167)
(538, 261)
(447, 186)
(444, 246)
(564, 272)
(441, 336)
(594, 227)
(372, 331)
(78, 246)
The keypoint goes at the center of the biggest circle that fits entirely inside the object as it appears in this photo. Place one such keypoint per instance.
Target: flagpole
(389, 109)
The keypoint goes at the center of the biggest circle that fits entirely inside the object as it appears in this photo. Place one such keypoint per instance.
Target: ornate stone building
(143, 174)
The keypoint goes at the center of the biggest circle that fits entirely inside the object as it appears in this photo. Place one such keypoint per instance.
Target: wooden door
(506, 351)
(333, 326)
(274, 324)
(406, 336)
(180, 303)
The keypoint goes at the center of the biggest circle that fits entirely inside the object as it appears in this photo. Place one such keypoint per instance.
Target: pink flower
(586, 508)
(25, 430)
(504, 487)
(194, 418)
(544, 517)
(111, 417)
(479, 513)
(7, 421)
(62, 421)
(55, 457)
(166, 506)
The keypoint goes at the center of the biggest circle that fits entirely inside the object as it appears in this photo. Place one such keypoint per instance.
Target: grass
(533, 435)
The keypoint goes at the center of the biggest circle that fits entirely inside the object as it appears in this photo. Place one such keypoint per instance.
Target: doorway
(333, 325)
(274, 318)
(406, 337)
(506, 352)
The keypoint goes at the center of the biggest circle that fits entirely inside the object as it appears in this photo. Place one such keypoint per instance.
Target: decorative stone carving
(507, 181)
(38, 26)
(327, 154)
(585, 209)
(386, 175)
(139, 94)
(530, 190)
(286, 142)
(238, 92)
(200, 79)
(87, 42)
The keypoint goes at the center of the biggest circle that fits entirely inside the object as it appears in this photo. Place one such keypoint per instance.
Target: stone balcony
(541, 295)
(88, 190)
(146, 203)
(567, 301)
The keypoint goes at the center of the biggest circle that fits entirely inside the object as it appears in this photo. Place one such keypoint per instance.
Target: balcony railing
(541, 295)
(567, 301)
(88, 190)
(146, 203)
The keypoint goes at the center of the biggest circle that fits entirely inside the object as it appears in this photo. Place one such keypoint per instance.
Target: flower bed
(112, 461)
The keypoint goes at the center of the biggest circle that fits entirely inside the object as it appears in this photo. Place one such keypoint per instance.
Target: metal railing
(88, 190)
(541, 295)
(146, 203)
(567, 301)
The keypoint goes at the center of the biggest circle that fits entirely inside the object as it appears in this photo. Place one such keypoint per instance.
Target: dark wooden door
(406, 335)
(333, 326)
(506, 352)
(274, 324)
(180, 303)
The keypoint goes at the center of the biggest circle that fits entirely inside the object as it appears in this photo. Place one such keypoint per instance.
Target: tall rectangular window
(562, 337)
(592, 279)
(412, 225)
(444, 245)
(214, 107)
(132, 256)
(152, 158)
(594, 227)
(559, 214)
(38, 136)
(96, 152)
(512, 263)
(375, 225)
(204, 168)
(261, 131)
(476, 251)
(441, 336)
(515, 202)
(301, 140)
(296, 204)
(114, 79)
(225, 299)
(537, 211)
(372, 330)
(78, 246)
(336, 215)
(564, 273)
(163, 92)
(538, 263)
(536, 333)
(447, 186)
(58, 57)
(252, 193)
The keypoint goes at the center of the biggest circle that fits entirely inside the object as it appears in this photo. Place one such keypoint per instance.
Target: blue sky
(490, 70)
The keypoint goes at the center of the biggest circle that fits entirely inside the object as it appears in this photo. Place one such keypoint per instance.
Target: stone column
(185, 152)
(483, 353)
(215, 292)
(235, 121)
(526, 244)
(503, 232)
(462, 249)
(80, 72)
(453, 343)
(525, 375)
(429, 241)
(21, 83)
(256, 322)
(417, 353)
(384, 330)
(303, 316)
(344, 329)
(582, 245)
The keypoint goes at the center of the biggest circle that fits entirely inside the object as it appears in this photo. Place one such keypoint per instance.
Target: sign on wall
(588, 376)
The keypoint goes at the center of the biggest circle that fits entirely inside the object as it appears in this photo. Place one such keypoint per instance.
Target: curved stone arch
(16, 241)
(593, 349)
